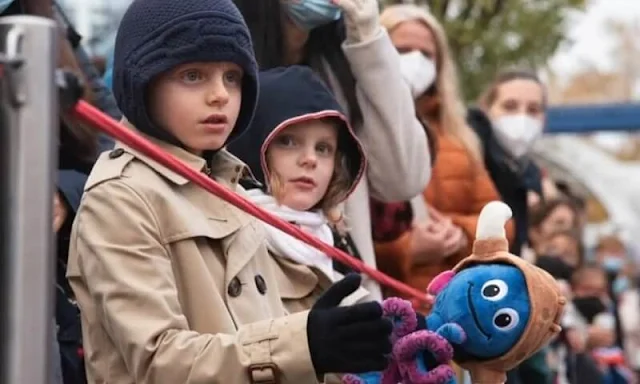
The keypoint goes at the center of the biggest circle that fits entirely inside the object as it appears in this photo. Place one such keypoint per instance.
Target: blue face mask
(612, 263)
(4, 4)
(310, 14)
(621, 284)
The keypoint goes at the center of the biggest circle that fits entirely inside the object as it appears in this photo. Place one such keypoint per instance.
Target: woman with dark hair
(343, 42)
(510, 118)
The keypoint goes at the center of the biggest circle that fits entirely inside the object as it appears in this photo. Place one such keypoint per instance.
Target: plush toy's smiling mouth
(474, 314)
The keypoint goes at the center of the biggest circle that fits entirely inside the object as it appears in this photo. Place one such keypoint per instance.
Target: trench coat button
(261, 284)
(116, 153)
(238, 168)
(235, 287)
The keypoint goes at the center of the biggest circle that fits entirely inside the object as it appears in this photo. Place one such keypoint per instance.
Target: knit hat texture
(156, 36)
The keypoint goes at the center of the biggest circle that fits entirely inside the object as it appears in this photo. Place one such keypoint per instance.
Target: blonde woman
(445, 215)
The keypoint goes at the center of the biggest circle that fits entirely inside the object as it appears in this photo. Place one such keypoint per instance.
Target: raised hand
(361, 19)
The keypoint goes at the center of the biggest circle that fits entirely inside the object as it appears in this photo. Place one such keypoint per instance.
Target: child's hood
(287, 96)
(156, 36)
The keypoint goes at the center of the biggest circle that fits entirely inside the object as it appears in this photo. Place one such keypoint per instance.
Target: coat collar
(223, 165)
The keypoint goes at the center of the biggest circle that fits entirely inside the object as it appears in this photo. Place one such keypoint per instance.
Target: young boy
(307, 160)
(174, 284)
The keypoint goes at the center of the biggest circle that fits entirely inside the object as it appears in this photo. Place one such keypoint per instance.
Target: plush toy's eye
(494, 290)
(506, 319)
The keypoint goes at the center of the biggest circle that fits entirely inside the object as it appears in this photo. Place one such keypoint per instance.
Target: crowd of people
(334, 116)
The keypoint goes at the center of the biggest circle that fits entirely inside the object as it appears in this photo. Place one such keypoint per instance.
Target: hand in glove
(404, 320)
(347, 339)
(360, 18)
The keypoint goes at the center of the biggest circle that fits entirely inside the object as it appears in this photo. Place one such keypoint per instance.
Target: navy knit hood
(156, 36)
(287, 96)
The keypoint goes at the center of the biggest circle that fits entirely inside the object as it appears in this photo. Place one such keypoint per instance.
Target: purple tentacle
(442, 374)
(352, 379)
(408, 347)
(402, 314)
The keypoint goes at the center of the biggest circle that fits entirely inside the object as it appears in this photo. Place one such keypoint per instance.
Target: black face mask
(589, 307)
(555, 266)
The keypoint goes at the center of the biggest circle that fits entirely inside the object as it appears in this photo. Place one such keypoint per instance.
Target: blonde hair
(452, 109)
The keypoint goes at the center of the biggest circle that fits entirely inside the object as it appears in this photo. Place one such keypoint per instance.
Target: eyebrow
(327, 138)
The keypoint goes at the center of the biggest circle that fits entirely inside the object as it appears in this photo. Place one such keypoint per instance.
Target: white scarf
(278, 242)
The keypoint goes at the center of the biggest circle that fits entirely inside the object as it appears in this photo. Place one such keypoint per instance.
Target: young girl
(174, 284)
(307, 161)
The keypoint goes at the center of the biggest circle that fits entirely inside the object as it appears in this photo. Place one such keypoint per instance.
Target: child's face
(562, 246)
(562, 218)
(198, 103)
(593, 284)
(303, 156)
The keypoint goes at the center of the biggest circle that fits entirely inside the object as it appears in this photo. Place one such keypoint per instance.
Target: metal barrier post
(29, 126)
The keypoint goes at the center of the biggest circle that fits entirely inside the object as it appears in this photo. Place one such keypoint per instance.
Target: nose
(308, 157)
(217, 93)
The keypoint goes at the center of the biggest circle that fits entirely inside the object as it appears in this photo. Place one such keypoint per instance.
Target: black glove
(352, 339)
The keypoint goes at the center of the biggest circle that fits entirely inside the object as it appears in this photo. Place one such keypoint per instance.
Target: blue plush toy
(491, 305)
(491, 312)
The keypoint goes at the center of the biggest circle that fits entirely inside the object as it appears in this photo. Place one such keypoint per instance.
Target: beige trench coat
(300, 286)
(174, 284)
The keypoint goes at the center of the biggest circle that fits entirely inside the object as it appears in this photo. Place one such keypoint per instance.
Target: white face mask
(517, 133)
(418, 71)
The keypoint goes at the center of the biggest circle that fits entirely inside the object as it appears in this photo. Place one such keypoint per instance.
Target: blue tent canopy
(592, 118)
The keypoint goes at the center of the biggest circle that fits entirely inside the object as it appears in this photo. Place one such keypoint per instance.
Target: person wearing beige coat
(176, 288)
(173, 283)
(299, 131)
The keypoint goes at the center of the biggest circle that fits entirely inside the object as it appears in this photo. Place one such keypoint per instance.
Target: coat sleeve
(393, 138)
(483, 191)
(117, 254)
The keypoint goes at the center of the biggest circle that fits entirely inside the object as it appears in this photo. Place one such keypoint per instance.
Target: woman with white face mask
(516, 103)
(445, 214)
(510, 120)
(439, 229)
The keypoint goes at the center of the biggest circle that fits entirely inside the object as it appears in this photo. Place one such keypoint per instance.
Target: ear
(439, 282)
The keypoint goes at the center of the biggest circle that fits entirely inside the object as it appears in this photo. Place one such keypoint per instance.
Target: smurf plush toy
(508, 308)
(492, 311)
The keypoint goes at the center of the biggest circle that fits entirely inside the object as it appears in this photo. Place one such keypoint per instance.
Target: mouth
(216, 119)
(474, 314)
(304, 181)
